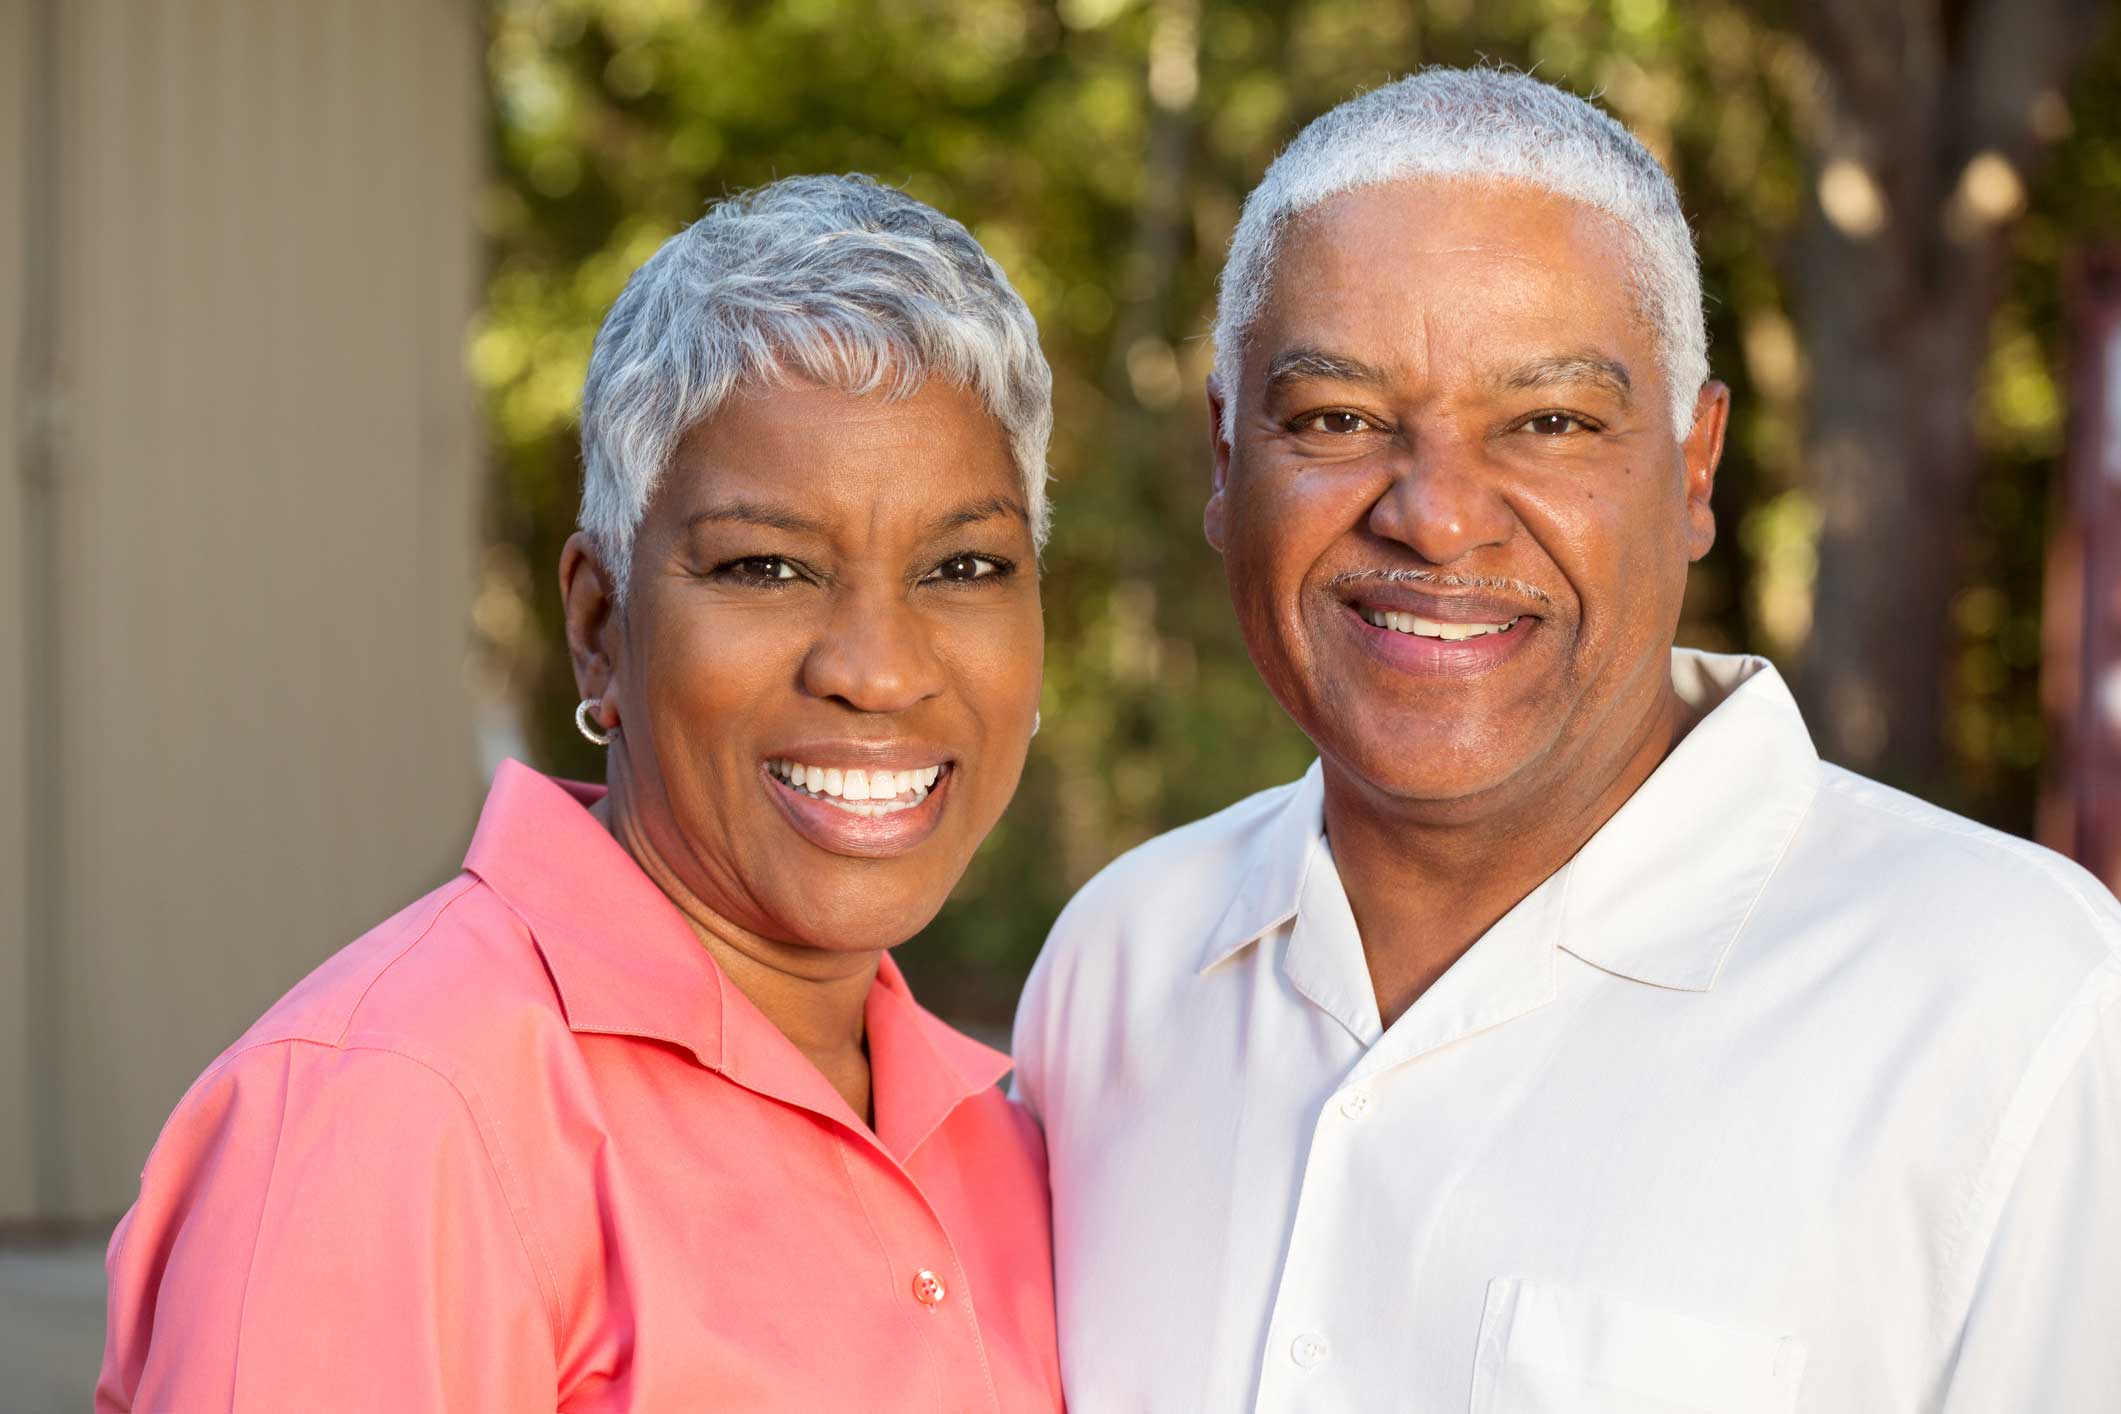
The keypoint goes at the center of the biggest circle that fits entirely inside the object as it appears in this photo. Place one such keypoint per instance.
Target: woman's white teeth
(857, 791)
(1430, 628)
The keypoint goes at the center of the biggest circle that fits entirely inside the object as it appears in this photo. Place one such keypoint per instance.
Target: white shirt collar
(1658, 895)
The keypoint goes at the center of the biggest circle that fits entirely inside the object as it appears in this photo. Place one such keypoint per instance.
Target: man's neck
(1426, 881)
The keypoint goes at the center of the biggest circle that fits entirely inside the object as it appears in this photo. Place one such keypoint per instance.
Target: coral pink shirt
(523, 1147)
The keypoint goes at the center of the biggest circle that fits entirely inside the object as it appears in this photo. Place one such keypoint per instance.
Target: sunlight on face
(1454, 518)
(832, 657)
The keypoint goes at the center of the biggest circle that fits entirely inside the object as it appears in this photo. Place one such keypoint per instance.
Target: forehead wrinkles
(1605, 252)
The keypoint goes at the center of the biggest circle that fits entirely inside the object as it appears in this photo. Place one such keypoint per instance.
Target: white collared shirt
(1788, 1092)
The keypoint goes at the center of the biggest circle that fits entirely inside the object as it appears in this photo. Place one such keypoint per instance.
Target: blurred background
(299, 299)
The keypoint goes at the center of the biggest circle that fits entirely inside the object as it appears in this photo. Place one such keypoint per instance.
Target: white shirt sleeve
(1027, 1044)
(2044, 1328)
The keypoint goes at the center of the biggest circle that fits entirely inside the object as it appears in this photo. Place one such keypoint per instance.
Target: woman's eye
(1338, 424)
(762, 568)
(1556, 424)
(962, 569)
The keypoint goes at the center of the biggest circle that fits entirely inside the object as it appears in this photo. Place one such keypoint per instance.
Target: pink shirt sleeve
(325, 1229)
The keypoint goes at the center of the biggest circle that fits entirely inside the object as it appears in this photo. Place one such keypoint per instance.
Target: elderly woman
(637, 1113)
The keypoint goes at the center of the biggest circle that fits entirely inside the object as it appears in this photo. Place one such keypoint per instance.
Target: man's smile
(1478, 640)
(1432, 628)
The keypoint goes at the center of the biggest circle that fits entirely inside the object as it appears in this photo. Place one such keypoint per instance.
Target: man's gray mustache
(1440, 581)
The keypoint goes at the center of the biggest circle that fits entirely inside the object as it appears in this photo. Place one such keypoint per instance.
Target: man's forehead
(1455, 212)
(1406, 271)
(1504, 231)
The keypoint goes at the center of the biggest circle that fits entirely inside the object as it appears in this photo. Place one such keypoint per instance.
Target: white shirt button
(1309, 1350)
(1355, 1104)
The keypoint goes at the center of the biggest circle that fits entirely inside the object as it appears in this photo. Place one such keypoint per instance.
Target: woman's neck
(817, 999)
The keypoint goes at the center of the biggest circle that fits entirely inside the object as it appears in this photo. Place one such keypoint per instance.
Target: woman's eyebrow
(973, 512)
(755, 513)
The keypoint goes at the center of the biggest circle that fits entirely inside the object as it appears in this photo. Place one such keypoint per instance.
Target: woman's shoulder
(329, 1173)
(454, 980)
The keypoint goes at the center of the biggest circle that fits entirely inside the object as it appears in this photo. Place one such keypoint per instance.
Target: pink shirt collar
(626, 963)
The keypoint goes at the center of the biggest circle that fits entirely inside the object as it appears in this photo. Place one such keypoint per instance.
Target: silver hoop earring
(585, 721)
(1036, 719)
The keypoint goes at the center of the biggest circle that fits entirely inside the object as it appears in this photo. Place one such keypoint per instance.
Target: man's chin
(1428, 770)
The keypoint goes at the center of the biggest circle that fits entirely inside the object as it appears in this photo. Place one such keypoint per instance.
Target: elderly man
(1570, 1037)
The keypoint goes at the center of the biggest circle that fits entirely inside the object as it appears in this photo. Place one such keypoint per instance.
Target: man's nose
(1442, 505)
(873, 653)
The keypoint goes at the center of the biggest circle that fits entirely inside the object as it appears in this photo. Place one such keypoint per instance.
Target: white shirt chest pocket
(1560, 1350)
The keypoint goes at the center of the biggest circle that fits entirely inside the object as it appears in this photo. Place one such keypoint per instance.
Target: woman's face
(827, 668)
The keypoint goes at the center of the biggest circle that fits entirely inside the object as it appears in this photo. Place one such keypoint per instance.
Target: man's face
(1454, 516)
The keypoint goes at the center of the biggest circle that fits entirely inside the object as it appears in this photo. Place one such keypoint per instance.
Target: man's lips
(1471, 607)
(1444, 638)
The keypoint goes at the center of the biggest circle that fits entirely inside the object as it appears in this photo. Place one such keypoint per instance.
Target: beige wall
(16, 1167)
(260, 740)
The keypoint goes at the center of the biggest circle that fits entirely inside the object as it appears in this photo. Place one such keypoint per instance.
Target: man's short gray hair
(841, 281)
(1478, 125)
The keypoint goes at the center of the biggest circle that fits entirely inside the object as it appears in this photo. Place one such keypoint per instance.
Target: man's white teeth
(860, 792)
(1430, 628)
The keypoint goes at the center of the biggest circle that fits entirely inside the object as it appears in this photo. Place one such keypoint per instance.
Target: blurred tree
(1101, 148)
(1929, 116)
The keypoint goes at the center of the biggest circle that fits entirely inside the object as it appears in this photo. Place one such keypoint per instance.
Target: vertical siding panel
(109, 316)
(17, 1070)
(271, 262)
(452, 88)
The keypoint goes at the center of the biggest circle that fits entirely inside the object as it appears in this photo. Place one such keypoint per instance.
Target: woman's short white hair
(839, 280)
(1483, 124)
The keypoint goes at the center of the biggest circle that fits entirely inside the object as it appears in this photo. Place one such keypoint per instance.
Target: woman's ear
(590, 600)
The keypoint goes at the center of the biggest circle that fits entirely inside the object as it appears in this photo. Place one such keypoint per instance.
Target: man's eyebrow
(1564, 369)
(1298, 364)
(755, 513)
(973, 512)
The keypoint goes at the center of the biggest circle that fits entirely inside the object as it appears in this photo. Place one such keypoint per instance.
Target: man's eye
(962, 569)
(1556, 424)
(1337, 423)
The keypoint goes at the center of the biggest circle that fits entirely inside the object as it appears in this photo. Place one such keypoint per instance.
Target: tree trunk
(1924, 131)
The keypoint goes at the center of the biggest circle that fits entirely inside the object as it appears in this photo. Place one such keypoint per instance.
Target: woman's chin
(843, 925)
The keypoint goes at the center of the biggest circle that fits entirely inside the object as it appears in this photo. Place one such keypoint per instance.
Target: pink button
(928, 1288)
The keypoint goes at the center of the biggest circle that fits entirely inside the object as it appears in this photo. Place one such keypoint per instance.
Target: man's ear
(1211, 517)
(1701, 451)
(590, 601)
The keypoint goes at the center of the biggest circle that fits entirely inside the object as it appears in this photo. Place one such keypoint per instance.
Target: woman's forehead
(821, 456)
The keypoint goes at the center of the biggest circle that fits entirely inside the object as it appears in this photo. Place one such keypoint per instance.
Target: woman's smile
(881, 807)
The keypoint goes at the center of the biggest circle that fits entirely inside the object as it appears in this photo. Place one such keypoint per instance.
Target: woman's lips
(1426, 647)
(872, 826)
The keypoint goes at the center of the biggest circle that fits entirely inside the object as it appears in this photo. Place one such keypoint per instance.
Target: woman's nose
(1442, 505)
(874, 654)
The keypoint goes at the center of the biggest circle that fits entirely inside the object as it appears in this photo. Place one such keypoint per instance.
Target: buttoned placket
(923, 1275)
(1511, 972)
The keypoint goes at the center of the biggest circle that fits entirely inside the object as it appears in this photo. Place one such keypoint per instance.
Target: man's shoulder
(1153, 907)
(1953, 927)
(1964, 876)
(1181, 876)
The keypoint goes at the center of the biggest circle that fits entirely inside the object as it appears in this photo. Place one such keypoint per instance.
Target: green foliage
(1101, 149)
